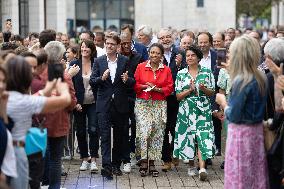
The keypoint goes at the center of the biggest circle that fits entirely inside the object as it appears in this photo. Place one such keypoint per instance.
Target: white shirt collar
(108, 60)
(148, 65)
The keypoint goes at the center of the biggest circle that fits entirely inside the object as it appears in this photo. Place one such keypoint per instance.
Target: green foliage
(254, 8)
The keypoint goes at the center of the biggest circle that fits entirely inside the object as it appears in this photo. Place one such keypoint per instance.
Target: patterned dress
(194, 119)
(151, 109)
(224, 82)
(151, 117)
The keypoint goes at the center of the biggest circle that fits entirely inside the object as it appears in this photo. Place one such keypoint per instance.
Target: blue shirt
(246, 106)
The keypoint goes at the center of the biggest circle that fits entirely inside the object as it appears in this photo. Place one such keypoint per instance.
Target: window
(23, 17)
(200, 3)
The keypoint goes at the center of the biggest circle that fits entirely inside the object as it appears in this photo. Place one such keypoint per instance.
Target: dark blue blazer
(140, 48)
(172, 65)
(134, 59)
(106, 89)
(78, 82)
(215, 72)
(3, 141)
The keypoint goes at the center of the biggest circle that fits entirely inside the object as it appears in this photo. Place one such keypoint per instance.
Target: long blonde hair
(244, 60)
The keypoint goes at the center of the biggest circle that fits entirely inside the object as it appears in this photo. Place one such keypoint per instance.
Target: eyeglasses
(111, 44)
(125, 43)
(165, 37)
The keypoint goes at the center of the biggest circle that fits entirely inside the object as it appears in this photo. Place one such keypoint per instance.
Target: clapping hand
(124, 77)
(192, 85)
(202, 87)
(73, 70)
(105, 74)
(78, 107)
(280, 79)
(221, 100)
(178, 60)
(274, 69)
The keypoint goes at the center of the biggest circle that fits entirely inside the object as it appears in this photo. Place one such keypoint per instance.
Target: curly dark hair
(196, 50)
(159, 46)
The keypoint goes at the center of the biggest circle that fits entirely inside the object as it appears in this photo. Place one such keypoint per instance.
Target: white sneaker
(84, 166)
(127, 168)
(186, 161)
(202, 174)
(192, 171)
(66, 158)
(94, 167)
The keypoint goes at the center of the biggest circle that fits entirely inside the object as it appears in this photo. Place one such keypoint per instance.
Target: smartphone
(55, 71)
(221, 55)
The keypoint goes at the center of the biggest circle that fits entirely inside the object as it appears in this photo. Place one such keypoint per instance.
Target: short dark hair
(91, 34)
(17, 38)
(46, 36)
(101, 34)
(8, 20)
(159, 46)
(41, 57)
(74, 49)
(209, 36)
(90, 44)
(28, 54)
(128, 26)
(239, 30)
(114, 36)
(7, 36)
(9, 46)
(20, 74)
(196, 51)
(33, 34)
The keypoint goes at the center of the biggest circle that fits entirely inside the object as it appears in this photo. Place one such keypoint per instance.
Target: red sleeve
(168, 87)
(137, 76)
(71, 91)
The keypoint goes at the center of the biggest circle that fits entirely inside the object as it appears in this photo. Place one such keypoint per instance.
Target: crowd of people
(166, 96)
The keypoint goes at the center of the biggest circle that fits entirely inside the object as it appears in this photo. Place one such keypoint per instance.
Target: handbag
(269, 135)
(274, 154)
(36, 138)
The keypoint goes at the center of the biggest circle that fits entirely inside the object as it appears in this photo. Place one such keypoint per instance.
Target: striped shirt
(20, 108)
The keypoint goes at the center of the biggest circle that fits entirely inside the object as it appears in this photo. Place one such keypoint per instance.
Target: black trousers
(80, 121)
(217, 131)
(132, 124)
(36, 168)
(172, 110)
(121, 147)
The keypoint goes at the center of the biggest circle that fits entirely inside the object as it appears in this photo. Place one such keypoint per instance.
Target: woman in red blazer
(153, 84)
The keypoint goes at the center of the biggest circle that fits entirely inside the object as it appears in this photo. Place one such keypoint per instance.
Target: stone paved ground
(177, 178)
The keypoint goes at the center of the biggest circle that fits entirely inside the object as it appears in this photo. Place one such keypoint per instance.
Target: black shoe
(218, 153)
(116, 171)
(107, 173)
(64, 174)
(222, 165)
(208, 162)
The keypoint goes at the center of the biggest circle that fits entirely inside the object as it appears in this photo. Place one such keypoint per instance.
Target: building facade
(277, 13)
(186, 14)
(66, 15)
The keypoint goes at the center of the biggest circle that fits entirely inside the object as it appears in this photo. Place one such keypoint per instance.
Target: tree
(252, 8)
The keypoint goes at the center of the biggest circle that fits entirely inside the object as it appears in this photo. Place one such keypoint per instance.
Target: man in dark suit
(174, 59)
(134, 59)
(138, 47)
(205, 42)
(110, 77)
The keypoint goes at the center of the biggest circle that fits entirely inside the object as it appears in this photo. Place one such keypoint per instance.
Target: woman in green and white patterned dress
(224, 83)
(194, 86)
